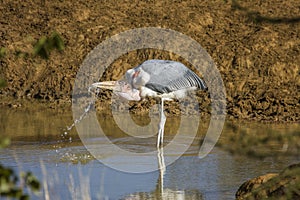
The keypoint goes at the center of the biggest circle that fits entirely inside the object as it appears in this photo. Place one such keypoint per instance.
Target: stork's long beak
(110, 85)
(121, 88)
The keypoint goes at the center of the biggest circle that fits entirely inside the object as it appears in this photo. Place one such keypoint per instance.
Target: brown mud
(255, 45)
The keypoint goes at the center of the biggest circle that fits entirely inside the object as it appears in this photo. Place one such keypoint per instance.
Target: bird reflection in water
(161, 192)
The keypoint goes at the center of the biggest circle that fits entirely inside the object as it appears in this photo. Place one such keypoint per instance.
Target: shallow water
(41, 144)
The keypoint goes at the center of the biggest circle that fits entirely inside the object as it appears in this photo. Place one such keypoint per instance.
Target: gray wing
(168, 76)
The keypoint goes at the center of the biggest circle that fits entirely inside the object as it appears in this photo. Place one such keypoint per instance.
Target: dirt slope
(255, 44)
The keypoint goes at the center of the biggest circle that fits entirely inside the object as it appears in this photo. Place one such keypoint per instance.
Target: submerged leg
(161, 127)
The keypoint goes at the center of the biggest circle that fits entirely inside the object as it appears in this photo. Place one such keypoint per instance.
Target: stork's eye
(135, 74)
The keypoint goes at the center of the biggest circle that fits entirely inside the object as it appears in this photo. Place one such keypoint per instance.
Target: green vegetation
(9, 183)
(41, 48)
(4, 142)
(2, 83)
(10, 186)
(21, 54)
(2, 52)
(45, 45)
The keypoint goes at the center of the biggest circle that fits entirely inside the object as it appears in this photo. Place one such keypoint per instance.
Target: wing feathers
(168, 76)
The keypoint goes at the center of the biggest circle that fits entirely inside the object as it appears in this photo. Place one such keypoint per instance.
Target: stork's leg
(160, 136)
(162, 171)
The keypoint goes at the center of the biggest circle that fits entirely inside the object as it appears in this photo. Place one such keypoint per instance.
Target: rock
(246, 188)
(285, 185)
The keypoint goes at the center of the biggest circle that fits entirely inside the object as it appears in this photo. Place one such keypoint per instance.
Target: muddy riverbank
(255, 45)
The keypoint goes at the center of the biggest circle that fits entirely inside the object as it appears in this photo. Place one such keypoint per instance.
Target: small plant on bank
(41, 48)
(45, 45)
(2, 52)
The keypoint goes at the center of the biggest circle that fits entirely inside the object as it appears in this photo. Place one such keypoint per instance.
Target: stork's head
(121, 88)
(137, 77)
